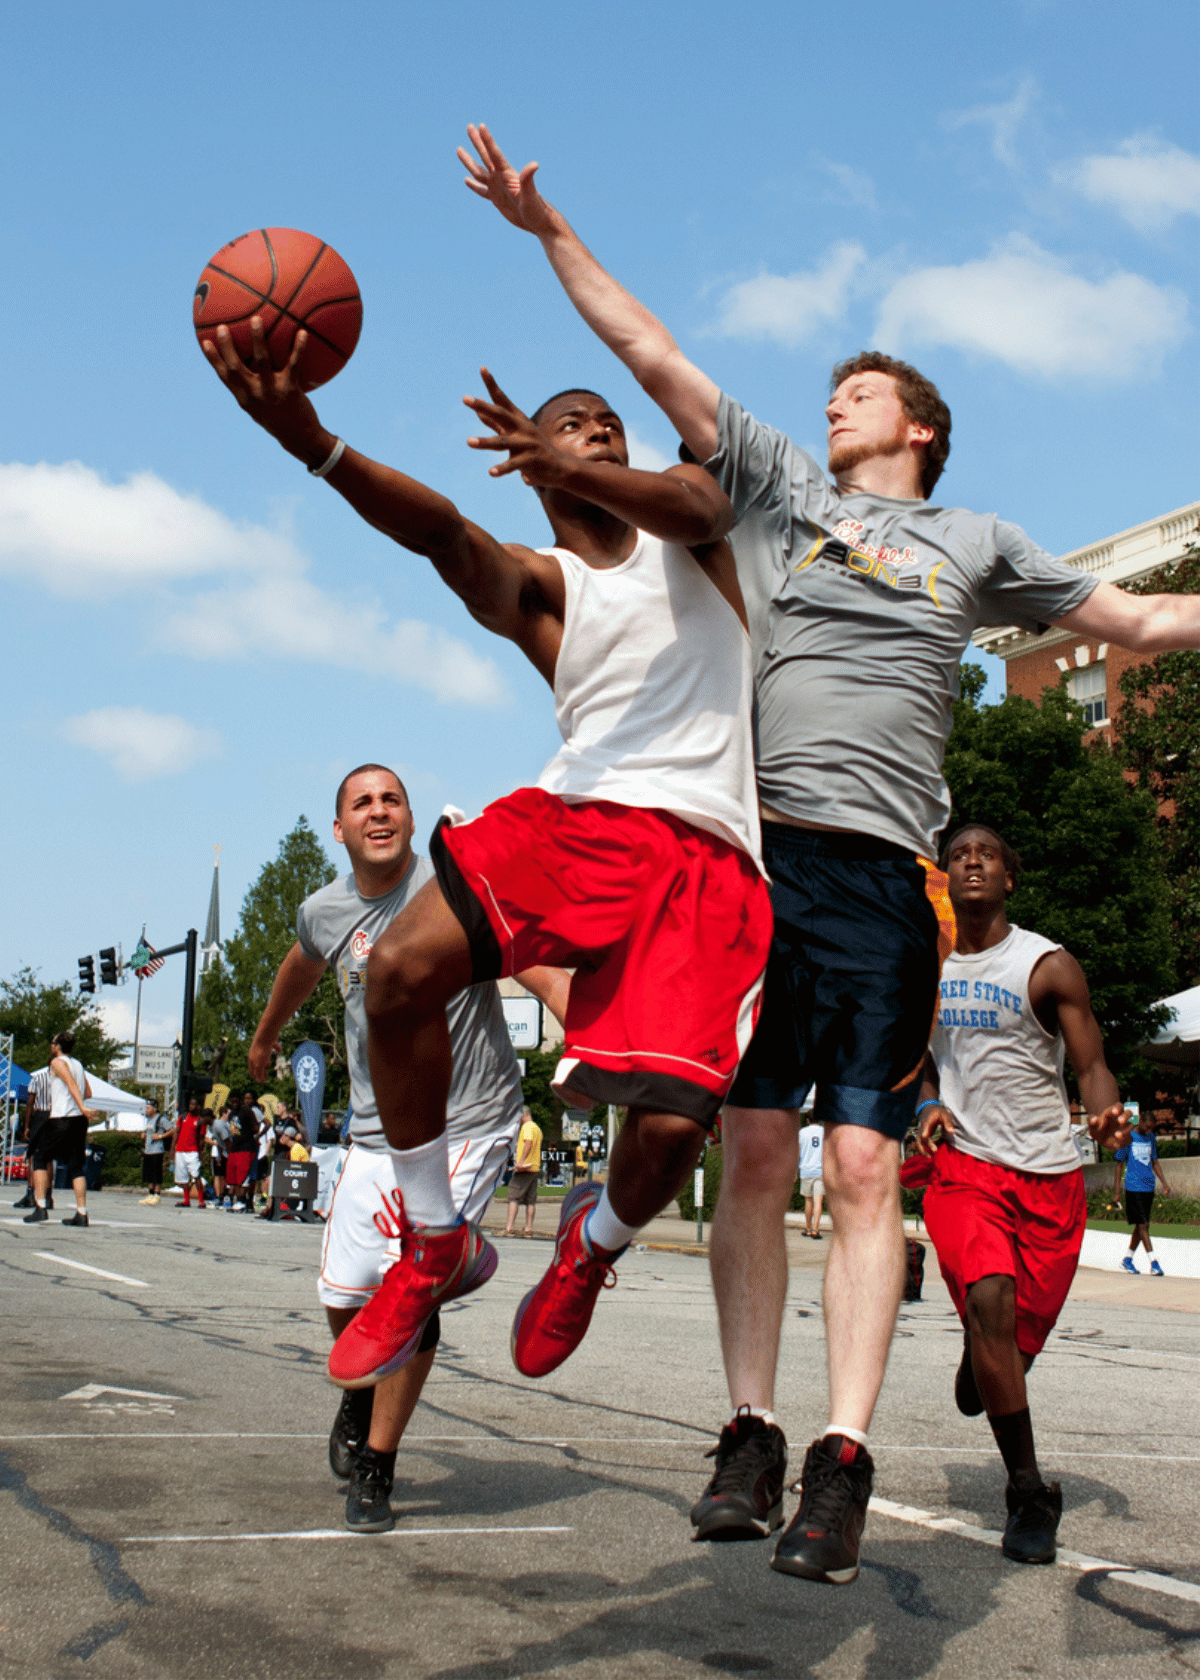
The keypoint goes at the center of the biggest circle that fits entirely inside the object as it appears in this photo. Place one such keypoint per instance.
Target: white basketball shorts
(362, 1229)
(187, 1165)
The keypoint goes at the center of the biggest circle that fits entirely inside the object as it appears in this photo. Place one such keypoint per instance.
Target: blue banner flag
(308, 1070)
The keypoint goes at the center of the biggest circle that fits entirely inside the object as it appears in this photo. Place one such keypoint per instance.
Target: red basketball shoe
(552, 1320)
(436, 1265)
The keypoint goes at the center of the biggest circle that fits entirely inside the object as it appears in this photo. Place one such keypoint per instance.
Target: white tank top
(1000, 1070)
(652, 693)
(62, 1103)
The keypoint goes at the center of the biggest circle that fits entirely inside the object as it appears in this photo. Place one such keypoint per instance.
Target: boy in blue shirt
(1140, 1157)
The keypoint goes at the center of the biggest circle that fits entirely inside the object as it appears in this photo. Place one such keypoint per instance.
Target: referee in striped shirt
(37, 1116)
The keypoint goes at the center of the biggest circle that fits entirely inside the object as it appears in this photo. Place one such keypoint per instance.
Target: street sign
(155, 1064)
(575, 1124)
(523, 1017)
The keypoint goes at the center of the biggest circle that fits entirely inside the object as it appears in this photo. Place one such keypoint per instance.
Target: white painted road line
(324, 1534)
(113, 1277)
(1144, 1578)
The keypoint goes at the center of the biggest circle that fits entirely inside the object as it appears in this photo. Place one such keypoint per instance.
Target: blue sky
(200, 639)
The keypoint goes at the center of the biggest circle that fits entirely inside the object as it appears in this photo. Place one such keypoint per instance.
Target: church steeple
(211, 948)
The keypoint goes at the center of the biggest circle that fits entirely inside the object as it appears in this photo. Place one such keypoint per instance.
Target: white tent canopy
(1185, 1023)
(109, 1099)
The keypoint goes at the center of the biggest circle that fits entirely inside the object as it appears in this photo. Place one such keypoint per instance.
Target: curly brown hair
(920, 399)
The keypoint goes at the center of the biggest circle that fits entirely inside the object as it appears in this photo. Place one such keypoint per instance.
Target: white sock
(760, 1412)
(604, 1230)
(850, 1434)
(423, 1179)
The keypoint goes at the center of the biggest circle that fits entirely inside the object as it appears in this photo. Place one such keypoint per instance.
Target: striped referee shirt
(39, 1086)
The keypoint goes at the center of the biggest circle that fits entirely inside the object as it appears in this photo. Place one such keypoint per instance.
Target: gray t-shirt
(860, 609)
(152, 1145)
(338, 925)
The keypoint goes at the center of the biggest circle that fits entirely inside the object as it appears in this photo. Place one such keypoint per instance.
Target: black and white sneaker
(350, 1429)
(821, 1541)
(1034, 1509)
(37, 1217)
(79, 1219)
(367, 1508)
(744, 1500)
(966, 1395)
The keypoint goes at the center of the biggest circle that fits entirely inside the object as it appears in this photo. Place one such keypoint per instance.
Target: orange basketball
(292, 280)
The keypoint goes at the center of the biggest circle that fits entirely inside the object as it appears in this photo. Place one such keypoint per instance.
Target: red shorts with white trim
(986, 1221)
(666, 926)
(239, 1167)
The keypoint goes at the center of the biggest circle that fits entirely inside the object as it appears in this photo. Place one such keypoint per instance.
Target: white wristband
(335, 455)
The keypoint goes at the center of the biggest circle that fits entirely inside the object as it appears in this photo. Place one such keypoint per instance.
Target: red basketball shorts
(666, 926)
(986, 1221)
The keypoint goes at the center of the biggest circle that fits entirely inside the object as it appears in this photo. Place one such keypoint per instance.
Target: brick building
(1093, 668)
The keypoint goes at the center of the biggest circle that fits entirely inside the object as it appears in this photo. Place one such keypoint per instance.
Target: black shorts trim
(662, 1093)
(486, 961)
(431, 1335)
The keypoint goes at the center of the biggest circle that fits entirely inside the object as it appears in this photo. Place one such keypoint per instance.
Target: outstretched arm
(298, 978)
(489, 577)
(1142, 623)
(685, 394)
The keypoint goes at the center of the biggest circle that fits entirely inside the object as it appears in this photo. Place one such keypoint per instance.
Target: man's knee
(992, 1307)
(861, 1168)
(760, 1153)
(403, 973)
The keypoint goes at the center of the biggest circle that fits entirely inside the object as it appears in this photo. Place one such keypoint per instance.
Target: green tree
(1158, 739)
(233, 993)
(34, 1014)
(1092, 874)
(545, 1107)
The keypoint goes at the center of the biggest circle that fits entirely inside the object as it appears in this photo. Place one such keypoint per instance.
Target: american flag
(153, 965)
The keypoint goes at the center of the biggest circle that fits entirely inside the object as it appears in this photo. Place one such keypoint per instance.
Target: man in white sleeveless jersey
(64, 1138)
(336, 928)
(861, 598)
(1005, 1204)
(635, 861)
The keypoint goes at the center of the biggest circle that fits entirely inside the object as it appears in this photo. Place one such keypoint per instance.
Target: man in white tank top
(1005, 1204)
(635, 861)
(65, 1137)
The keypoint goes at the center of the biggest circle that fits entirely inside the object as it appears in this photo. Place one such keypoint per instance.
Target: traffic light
(87, 974)
(108, 966)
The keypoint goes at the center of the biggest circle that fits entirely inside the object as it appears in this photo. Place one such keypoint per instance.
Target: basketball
(292, 280)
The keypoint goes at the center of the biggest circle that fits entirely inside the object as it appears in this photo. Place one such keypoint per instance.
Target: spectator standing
(243, 1150)
(65, 1139)
(812, 1185)
(523, 1185)
(220, 1135)
(1140, 1160)
(154, 1146)
(37, 1118)
(188, 1143)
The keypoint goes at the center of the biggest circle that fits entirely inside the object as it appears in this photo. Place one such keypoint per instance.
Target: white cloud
(850, 185)
(1024, 307)
(1146, 180)
(118, 1013)
(789, 307)
(1003, 119)
(140, 744)
(70, 530)
(645, 456)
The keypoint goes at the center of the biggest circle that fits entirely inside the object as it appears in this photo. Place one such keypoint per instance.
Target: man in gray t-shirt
(336, 927)
(861, 597)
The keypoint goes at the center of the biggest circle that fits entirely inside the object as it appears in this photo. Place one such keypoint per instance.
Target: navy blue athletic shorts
(861, 930)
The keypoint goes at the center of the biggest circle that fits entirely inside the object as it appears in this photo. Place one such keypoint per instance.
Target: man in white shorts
(812, 1185)
(188, 1141)
(336, 928)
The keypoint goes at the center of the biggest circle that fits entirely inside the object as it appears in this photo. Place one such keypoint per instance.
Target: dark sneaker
(26, 1201)
(1033, 1516)
(77, 1219)
(821, 1541)
(552, 1319)
(367, 1508)
(350, 1429)
(37, 1217)
(744, 1500)
(966, 1395)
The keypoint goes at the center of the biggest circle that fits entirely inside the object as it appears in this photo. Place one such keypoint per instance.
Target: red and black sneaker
(744, 1500)
(821, 1541)
(552, 1320)
(436, 1265)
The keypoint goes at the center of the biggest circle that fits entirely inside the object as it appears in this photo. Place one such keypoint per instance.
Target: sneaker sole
(1018, 1557)
(581, 1193)
(381, 1525)
(484, 1266)
(728, 1523)
(805, 1572)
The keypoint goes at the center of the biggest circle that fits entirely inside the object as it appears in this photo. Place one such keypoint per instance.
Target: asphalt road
(192, 1528)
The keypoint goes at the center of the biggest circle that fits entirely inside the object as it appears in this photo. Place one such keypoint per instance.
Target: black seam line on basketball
(265, 298)
(285, 306)
(271, 254)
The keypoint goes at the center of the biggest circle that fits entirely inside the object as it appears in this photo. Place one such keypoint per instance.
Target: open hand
(931, 1120)
(270, 396)
(1111, 1129)
(511, 190)
(530, 452)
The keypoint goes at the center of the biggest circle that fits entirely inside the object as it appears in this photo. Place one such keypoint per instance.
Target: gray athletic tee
(338, 925)
(860, 609)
